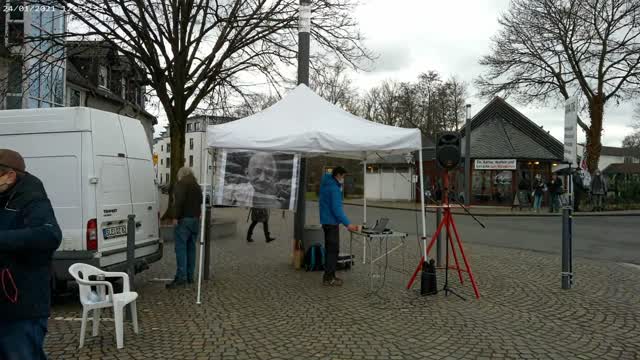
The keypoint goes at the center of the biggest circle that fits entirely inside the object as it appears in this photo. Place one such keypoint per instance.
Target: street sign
(571, 131)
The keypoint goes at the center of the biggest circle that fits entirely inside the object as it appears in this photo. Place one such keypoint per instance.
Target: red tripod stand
(448, 222)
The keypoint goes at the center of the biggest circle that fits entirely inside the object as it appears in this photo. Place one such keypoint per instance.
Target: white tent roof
(306, 123)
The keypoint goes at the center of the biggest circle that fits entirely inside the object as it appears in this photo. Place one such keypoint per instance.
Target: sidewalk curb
(499, 214)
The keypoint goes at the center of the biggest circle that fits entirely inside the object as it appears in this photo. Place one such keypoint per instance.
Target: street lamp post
(467, 157)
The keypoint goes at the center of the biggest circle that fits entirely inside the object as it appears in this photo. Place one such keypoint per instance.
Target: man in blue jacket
(29, 235)
(331, 216)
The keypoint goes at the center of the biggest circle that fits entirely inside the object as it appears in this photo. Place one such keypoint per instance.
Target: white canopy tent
(303, 122)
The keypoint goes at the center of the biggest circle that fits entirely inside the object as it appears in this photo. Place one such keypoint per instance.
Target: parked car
(97, 169)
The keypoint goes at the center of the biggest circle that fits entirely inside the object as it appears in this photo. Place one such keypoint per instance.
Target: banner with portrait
(257, 179)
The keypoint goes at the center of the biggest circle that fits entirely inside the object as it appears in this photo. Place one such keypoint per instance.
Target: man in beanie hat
(29, 235)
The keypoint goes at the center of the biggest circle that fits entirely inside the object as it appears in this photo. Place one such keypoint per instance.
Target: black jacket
(188, 198)
(29, 235)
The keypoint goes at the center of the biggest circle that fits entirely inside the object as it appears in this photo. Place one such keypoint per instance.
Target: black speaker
(448, 154)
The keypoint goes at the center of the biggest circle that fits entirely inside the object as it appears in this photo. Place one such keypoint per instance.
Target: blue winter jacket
(331, 211)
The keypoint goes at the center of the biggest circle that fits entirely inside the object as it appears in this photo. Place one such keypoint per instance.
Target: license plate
(114, 232)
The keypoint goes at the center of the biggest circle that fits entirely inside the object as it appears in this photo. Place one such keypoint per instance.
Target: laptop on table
(378, 228)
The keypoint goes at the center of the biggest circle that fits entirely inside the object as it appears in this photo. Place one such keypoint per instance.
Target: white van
(96, 167)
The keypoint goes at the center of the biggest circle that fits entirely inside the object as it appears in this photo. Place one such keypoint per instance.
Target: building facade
(101, 78)
(508, 150)
(32, 65)
(195, 148)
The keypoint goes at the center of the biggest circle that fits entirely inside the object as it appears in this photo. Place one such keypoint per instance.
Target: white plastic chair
(99, 299)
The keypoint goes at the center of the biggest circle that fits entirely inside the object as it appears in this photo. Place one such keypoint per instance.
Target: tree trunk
(178, 124)
(594, 135)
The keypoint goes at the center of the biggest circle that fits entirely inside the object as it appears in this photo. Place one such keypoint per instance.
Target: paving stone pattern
(258, 307)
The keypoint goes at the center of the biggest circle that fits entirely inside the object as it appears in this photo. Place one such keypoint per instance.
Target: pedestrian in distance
(259, 216)
(187, 211)
(29, 235)
(555, 189)
(539, 188)
(331, 216)
(598, 190)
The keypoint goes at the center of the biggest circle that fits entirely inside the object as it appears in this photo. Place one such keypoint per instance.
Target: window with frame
(14, 84)
(161, 161)
(123, 87)
(167, 178)
(191, 144)
(161, 147)
(168, 148)
(74, 97)
(190, 160)
(168, 162)
(197, 126)
(103, 76)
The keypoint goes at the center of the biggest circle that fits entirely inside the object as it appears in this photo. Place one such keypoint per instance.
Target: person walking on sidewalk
(538, 192)
(259, 216)
(187, 207)
(598, 190)
(555, 189)
(331, 216)
(29, 235)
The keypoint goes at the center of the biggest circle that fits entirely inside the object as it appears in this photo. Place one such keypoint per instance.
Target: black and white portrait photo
(257, 179)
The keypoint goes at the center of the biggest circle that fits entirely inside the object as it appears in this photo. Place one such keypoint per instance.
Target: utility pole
(467, 157)
(304, 30)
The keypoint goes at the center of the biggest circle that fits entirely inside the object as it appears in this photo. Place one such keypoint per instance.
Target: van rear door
(55, 159)
(113, 193)
(143, 187)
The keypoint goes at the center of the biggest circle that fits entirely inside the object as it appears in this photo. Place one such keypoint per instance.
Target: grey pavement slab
(258, 307)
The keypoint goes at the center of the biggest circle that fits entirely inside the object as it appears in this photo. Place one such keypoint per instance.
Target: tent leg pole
(424, 224)
(364, 192)
(202, 228)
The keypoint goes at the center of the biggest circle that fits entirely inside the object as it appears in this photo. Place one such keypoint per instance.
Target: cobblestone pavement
(258, 307)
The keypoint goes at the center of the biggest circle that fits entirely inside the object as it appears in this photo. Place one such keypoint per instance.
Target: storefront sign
(496, 164)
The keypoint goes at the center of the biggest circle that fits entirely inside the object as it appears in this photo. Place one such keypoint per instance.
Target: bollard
(439, 240)
(567, 249)
(131, 255)
(207, 242)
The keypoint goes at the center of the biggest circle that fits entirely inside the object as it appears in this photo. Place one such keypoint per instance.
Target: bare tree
(189, 49)
(549, 50)
(333, 83)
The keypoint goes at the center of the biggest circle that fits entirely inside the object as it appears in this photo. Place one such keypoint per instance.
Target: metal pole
(567, 256)
(304, 29)
(207, 242)
(467, 157)
(439, 239)
(364, 192)
(131, 255)
(424, 224)
(202, 230)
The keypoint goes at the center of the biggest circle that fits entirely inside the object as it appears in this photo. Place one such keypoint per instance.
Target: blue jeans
(186, 233)
(537, 201)
(23, 339)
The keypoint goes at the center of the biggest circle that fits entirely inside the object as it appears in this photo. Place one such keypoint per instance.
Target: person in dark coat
(555, 189)
(29, 235)
(598, 190)
(259, 216)
(187, 206)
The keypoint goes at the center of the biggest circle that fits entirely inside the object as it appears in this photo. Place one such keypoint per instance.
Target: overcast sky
(414, 36)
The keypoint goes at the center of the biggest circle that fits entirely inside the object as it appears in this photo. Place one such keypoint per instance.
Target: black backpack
(314, 258)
